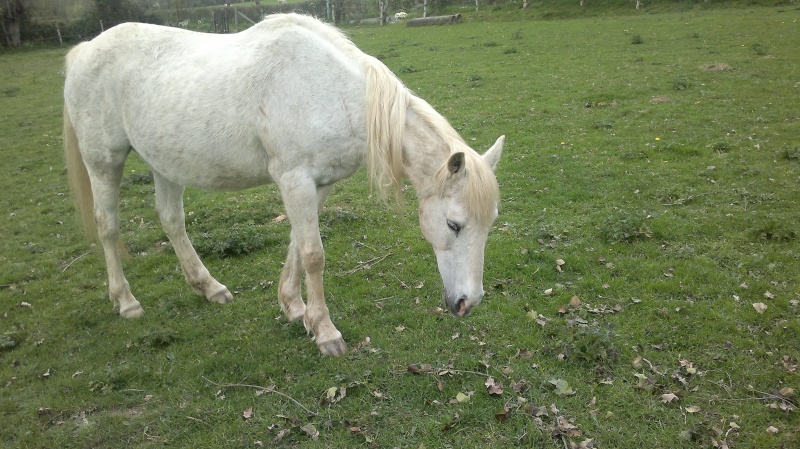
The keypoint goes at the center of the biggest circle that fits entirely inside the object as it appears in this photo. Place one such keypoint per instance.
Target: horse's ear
(456, 163)
(492, 156)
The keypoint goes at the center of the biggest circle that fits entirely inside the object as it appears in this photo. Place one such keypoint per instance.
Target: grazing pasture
(642, 278)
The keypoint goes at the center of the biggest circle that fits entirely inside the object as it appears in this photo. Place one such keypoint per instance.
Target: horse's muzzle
(460, 306)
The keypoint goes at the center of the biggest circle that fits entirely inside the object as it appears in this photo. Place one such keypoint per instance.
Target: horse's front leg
(289, 286)
(289, 295)
(302, 200)
(169, 204)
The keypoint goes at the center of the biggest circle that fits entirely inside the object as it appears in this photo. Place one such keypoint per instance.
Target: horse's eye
(453, 226)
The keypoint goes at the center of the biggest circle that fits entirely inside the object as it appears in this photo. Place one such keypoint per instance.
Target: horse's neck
(424, 152)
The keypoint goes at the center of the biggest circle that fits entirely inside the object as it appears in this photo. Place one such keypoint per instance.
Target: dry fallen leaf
(503, 415)
(536, 411)
(492, 387)
(562, 387)
(788, 392)
(669, 397)
(524, 354)
(760, 307)
(692, 409)
(279, 218)
(247, 414)
(311, 431)
(566, 427)
(772, 429)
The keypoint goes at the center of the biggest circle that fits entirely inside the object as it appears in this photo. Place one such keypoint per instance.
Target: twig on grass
(565, 440)
(682, 201)
(198, 420)
(402, 284)
(265, 390)
(461, 371)
(653, 368)
(362, 244)
(75, 260)
(442, 371)
(365, 265)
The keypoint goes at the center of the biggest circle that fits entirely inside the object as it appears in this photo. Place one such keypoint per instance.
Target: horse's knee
(171, 220)
(313, 258)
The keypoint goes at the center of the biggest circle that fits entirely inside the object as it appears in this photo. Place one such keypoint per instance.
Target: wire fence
(230, 19)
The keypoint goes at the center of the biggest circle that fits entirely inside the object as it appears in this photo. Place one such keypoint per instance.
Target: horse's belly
(210, 170)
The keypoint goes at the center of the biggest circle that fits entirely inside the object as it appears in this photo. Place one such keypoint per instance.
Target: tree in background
(178, 5)
(112, 12)
(56, 10)
(13, 12)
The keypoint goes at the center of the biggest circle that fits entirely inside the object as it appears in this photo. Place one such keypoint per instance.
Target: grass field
(642, 278)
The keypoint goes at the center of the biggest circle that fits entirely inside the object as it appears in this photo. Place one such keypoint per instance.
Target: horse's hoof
(132, 311)
(333, 348)
(223, 296)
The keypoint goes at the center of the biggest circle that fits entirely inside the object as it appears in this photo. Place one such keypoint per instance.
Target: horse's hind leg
(105, 179)
(289, 286)
(169, 205)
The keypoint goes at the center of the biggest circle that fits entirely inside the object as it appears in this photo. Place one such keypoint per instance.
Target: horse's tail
(79, 181)
(387, 100)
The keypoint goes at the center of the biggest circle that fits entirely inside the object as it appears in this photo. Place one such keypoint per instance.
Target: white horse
(290, 101)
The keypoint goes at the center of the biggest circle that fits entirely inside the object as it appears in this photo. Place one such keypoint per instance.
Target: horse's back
(277, 92)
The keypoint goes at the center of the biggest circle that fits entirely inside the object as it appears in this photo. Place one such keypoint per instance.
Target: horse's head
(456, 221)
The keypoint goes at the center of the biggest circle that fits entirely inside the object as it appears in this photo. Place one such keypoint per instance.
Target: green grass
(663, 174)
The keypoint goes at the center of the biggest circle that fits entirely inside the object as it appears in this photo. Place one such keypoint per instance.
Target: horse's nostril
(461, 306)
